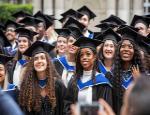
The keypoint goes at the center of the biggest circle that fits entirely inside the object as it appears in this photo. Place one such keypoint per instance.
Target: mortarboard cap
(104, 26)
(96, 34)
(30, 21)
(4, 59)
(20, 14)
(109, 34)
(133, 28)
(23, 32)
(63, 32)
(86, 11)
(130, 34)
(74, 23)
(144, 46)
(72, 13)
(51, 17)
(11, 23)
(44, 18)
(38, 47)
(3, 40)
(84, 42)
(140, 19)
(62, 19)
(148, 15)
(75, 32)
(114, 20)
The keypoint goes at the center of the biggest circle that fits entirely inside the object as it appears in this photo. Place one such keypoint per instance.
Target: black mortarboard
(86, 11)
(11, 23)
(20, 14)
(3, 39)
(144, 46)
(96, 34)
(109, 34)
(38, 47)
(63, 32)
(30, 21)
(114, 20)
(147, 15)
(44, 18)
(72, 13)
(130, 34)
(104, 26)
(4, 59)
(74, 23)
(84, 42)
(50, 17)
(133, 28)
(62, 19)
(23, 32)
(140, 19)
(75, 32)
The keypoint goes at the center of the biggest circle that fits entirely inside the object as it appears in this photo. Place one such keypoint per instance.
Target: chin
(40, 70)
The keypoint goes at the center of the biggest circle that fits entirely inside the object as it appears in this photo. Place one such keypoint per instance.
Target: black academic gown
(98, 91)
(46, 109)
(58, 66)
(118, 93)
(11, 67)
(61, 64)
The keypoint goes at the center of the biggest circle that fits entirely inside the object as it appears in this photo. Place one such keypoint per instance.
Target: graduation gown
(46, 109)
(101, 89)
(11, 68)
(61, 64)
(127, 80)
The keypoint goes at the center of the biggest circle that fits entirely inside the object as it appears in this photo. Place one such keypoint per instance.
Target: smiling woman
(25, 38)
(128, 64)
(41, 93)
(87, 83)
(107, 52)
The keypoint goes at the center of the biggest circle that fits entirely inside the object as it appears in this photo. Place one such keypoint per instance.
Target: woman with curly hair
(88, 84)
(106, 53)
(25, 38)
(145, 52)
(128, 65)
(41, 93)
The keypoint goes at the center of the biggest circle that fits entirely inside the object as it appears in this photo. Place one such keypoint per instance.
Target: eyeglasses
(10, 30)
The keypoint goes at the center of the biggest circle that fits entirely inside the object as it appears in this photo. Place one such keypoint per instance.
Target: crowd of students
(53, 68)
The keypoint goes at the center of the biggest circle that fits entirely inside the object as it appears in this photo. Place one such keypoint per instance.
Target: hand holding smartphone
(89, 108)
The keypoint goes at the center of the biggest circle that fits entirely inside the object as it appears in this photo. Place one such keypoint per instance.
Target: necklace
(42, 83)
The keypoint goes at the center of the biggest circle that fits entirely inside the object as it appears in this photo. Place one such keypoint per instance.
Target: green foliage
(6, 10)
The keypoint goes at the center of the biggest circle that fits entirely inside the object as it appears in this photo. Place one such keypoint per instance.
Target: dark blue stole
(65, 64)
(127, 81)
(102, 68)
(99, 79)
(22, 62)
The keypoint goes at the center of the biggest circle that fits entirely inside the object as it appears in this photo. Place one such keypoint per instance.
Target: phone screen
(89, 109)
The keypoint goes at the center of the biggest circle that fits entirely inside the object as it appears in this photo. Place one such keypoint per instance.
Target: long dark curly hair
(117, 81)
(29, 96)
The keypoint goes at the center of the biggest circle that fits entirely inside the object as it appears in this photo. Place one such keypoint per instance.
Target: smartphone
(89, 109)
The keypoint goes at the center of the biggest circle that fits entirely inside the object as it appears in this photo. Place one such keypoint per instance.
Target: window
(146, 6)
